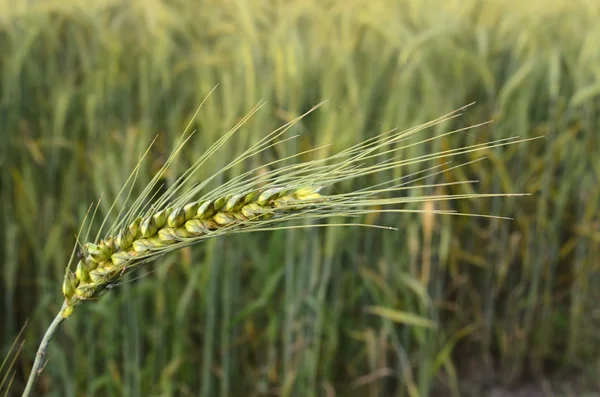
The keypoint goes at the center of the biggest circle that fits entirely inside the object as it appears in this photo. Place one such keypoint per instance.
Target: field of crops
(85, 87)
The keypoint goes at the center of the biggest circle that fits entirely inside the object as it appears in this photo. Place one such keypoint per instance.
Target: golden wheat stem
(38, 364)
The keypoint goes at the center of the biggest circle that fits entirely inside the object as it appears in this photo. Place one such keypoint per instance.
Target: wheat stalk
(182, 216)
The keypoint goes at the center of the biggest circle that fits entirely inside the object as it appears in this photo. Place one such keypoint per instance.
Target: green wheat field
(442, 306)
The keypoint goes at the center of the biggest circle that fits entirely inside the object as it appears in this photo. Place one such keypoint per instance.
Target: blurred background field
(85, 86)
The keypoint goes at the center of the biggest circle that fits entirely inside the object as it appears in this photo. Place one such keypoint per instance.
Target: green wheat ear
(246, 204)
(249, 203)
(159, 232)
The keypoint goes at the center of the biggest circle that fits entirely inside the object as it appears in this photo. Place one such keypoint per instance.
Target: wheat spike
(145, 237)
(249, 202)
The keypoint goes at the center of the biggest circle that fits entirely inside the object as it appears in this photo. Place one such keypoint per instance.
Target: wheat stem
(38, 364)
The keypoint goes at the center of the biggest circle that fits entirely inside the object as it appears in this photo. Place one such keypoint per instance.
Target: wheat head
(105, 262)
(253, 202)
